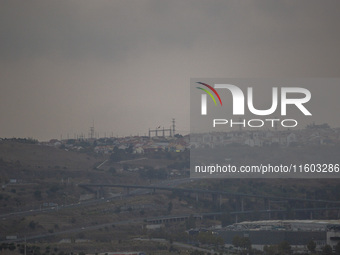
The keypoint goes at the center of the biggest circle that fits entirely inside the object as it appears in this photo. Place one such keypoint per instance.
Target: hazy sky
(127, 64)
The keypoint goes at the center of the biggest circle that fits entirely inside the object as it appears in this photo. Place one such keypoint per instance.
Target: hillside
(33, 156)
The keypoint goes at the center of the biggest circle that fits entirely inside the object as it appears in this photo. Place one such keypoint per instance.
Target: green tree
(11, 247)
(112, 170)
(32, 224)
(284, 248)
(236, 241)
(209, 238)
(129, 150)
(196, 252)
(337, 248)
(37, 195)
(311, 246)
(117, 209)
(169, 207)
(246, 243)
(327, 250)
(190, 222)
(270, 250)
(242, 242)
(117, 154)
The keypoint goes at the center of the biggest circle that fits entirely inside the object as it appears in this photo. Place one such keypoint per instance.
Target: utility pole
(92, 130)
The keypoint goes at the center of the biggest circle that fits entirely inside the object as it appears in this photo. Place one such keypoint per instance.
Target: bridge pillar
(101, 190)
(266, 203)
(196, 197)
(214, 198)
(267, 207)
(311, 215)
(242, 205)
(236, 204)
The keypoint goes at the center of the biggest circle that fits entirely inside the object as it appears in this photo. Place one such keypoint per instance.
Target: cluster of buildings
(132, 144)
(312, 134)
(298, 233)
(141, 145)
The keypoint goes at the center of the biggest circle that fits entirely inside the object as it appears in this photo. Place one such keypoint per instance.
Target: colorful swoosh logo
(209, 93)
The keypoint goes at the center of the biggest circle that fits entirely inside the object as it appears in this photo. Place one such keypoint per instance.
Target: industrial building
(296, 232)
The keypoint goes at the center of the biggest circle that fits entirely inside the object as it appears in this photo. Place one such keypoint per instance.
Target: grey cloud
(127, 64)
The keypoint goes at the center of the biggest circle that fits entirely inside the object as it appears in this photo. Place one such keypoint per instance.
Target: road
(74, 230)
(35, 211)
(178, 244)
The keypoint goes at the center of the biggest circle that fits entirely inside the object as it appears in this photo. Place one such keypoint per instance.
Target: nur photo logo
(281, 99)
(204, 97)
